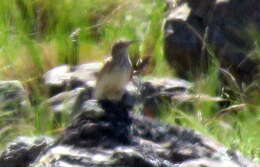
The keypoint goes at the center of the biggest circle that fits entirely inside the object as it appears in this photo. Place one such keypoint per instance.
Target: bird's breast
(111, 85)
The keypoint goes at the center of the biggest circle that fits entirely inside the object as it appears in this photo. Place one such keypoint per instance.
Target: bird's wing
(106, 66)
(141, 65)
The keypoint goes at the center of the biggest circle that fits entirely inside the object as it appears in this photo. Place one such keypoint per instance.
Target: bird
(115, 74)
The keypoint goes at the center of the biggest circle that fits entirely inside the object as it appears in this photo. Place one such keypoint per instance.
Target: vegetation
(36, 35)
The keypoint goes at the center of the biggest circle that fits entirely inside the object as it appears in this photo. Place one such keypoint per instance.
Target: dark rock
(98, 124)
(183, 33)
(230, 34)
(23, 151)
(115, 138)
(226, 28)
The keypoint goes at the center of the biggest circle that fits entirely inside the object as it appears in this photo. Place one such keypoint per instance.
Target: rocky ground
(111, 134)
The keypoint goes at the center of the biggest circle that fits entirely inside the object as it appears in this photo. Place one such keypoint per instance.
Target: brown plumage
(115, 74)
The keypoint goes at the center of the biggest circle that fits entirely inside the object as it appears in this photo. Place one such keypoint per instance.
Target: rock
(65, 77)
(155, 92)
(115, 138)
(121, 156)
(183, 37)
(65, 102)
(149, 93)
(57, 76)
(158, 91)
(86, 72)
(193, 27)
(209, 163)
(13, 97)
(23, 151)
(98, 123)
(89, 109)
(230, 34)
(169, 84)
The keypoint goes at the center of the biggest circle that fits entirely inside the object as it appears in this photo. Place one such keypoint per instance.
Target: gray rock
(57, 76)
(156, 92)
(209, 163)
(90, 109)
(23, 151)
(65, 77)
(64, 102)
(126, 156)
(13, 97)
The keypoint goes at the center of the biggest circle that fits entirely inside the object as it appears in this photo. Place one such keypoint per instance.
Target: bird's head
(121, 47)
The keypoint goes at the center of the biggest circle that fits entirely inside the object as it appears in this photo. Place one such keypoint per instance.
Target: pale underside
(112, 79)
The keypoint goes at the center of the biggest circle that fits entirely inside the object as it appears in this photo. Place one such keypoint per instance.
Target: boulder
(65, 77)
(116, 137)
(23, 151)
(64, 102)
(13, 97)
(198, 32)
(183, 36)
(231, 35)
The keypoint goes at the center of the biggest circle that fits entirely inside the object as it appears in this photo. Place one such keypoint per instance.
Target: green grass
(35, 35)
